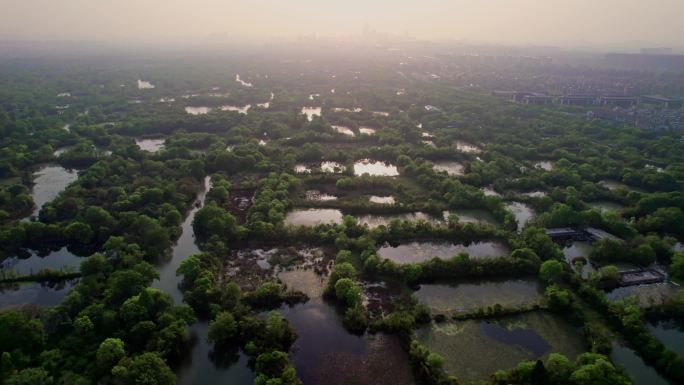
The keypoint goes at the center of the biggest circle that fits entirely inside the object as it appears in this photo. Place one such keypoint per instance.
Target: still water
(48, 182)
(60, 259)
(310, 112)
(451, 168)
(185, 246)
(522, 212)
(467, 147)
(635, 367)
(150, 145)
(34, 293)
(374, 168)
(375, 220)
(474, 349)
(313, 217)
(445, 298)
(204, 366)
(423, 251)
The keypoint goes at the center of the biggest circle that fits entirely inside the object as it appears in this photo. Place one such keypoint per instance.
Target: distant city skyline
(629, 24)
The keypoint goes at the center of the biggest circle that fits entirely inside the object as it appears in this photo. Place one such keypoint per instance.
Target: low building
(578, 100)
(618, 100)
(661, 101)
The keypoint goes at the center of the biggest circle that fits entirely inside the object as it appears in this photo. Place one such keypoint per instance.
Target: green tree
(145, 369)
(223, 328)
(110, 352)
(551, 271)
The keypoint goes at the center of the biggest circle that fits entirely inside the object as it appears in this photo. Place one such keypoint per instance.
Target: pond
(606, 206)
(332, 167)
(475, 349)
(185, 246)
(646, 295)
(240, 109)
(145, 85)
(473, 216)
(467, 147)
(544, 165)
(201, 365)
(490, 192)
(522, 212)
(316, 195)
(48, 182)
(447, 298)
(198, 110)
(310, 112)
(451, 168)
(635, 367)
(327, 167)
(579, 251)
(303, 280)
(150, 145)
(34, 293)
(242, 82)
(344, 130)
(325, 353)
(60, 259)
(423, 251)
(375, 220)
(385, 200)
(374, 168)
(670, 333)
(313, 217)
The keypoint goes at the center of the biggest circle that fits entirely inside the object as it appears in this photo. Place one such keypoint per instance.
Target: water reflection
(375, 220)
(522, 212)
(473, 216)
(577, 254)
(467, 147)
(475, 349)
(150, 145)
(313, 217)
(635, 367)
(60, 259)
(325, 353)
(316, 195)
(670, 333)
(469, 296)
(387, 200)
(645, 295)
(185, 246)
(423, 251)
(310, 112)
(344, 130)
(203, 366)
(34, 293)
(451, 168)
(48, 182)
(544, 165)
(374, 168)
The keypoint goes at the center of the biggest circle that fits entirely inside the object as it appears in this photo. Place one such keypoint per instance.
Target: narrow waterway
(168, 280)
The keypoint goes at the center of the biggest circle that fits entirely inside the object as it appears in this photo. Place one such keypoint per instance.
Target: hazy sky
(592, 22)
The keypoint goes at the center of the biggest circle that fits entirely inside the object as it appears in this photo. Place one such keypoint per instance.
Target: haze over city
(318, 192)
(617, 24)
